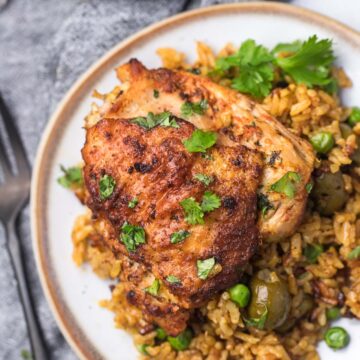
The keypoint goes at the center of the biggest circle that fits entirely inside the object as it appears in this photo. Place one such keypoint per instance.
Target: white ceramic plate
(73, 293)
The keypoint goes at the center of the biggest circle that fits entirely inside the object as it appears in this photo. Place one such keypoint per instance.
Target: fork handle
(36, 339)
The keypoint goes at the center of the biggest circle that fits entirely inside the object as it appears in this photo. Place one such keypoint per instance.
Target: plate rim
(78, 341)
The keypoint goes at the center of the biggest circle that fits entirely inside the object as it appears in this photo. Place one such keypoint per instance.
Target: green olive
(304, 308)
(270, 293)
(329, 193)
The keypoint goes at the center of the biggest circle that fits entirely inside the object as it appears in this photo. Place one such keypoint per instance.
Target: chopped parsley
(287, 184)
(251, 69)
(153, 289)
(210, 202)
(106, 186)
(194, 212)
(200, 140)
(72, 176)
(204, 267)
(132, 236)
(312, 252)
(205, 179)
(188, 108)
(172, 279)
(160, 334)
(152, 120)
(156, 93)
(258, 322)
(253, 66)
(354, 254)
(264, 205)
(179, 236)
(133, 202)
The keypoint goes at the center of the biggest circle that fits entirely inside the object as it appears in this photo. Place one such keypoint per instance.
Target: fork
(14, 193)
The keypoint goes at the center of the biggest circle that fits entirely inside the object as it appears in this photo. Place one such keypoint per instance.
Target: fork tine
(4, 161)
(14, 139)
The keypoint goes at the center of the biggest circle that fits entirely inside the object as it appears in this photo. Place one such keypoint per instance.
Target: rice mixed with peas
(319, 264)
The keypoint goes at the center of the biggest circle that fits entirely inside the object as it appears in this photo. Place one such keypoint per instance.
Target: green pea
(240, 295)
(354, 117)
(322, 142)
(182, 341)
(333, 313)
(337, 337)
(161, 334)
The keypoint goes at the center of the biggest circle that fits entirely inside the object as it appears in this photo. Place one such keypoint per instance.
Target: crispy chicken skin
(155, 167)
(238, 120)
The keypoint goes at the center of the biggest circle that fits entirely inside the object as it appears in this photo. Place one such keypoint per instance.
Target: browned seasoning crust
(155, 167)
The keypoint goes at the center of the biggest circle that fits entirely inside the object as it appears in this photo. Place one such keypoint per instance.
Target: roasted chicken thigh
(196, 221)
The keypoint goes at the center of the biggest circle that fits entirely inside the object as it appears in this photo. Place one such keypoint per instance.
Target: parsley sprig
(287, 184)
(106, 186)
(200, 140)
(251, 69)
(310, 64)
(194, 211)
(165, 119)
(132, 236)
(253, 66)
(204, 267)
(72, 177)
(153, 289)
(189, 109)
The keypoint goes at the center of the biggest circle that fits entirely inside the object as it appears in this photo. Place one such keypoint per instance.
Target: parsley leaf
(152, 120)
(287, 47)
(254, 69)
(200, 140)
(188, 108)
(264, 205)
(153, 289)
(106, 186)
(258, 322)
(179, 236)
(133, 202)
(354, 254)
(205, 179)
(156, 93)
(193, 212)
(72, 176)
(286, 185)
(173, 279)
(312, 252)
(204, 267)
(210, 202)
(132, 236)
(310, 65)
